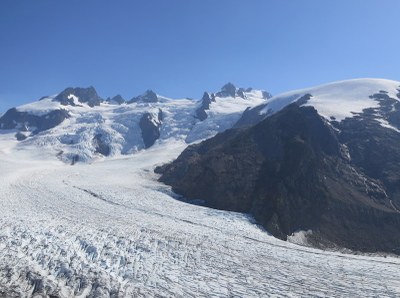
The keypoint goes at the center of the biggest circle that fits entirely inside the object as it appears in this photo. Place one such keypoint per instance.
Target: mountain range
(78, 125)
(323, 162)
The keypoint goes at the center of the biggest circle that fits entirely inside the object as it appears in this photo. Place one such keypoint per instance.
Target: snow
(338, 100)
(119, 125)
(300, 237)
(108, 228)
(223, 114)
(385, 123)
(233, 104)
(74, 98)
(41, 107)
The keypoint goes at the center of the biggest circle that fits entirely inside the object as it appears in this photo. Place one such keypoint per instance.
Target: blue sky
(180, 48)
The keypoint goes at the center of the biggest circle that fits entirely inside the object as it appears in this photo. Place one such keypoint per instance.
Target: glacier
(109, 229)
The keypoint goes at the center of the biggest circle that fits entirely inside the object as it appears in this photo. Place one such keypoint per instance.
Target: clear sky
(180, 48)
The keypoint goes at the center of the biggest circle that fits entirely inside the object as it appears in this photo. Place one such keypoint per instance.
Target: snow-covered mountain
(335, 101)
(325, 160)
(78, 125)
(110, 229)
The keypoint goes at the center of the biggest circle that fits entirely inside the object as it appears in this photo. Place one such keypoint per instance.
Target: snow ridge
(338, 100)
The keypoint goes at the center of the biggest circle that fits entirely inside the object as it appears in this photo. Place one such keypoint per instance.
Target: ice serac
(74, 96)
(326, 162)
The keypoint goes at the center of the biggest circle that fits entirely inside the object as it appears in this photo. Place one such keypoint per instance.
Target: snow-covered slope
(87, 127)
(338, 100)
(224, 110)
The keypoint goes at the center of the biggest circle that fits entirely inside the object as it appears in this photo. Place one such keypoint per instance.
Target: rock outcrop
(14, 119)
(206, 101)
(150, 126)
(100, 145)
(149, 96)
(117, 99)
(227, 90)
(73, 96)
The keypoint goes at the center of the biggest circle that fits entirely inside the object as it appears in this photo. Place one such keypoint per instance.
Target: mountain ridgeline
(79, 125)
(323, 162)
(298, 165)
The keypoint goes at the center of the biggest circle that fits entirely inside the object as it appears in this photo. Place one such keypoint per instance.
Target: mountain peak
(70, 96)
(148, 96)
(227, 90)
(117, 99)
(228, 87)
(230, 90)
(206, 101)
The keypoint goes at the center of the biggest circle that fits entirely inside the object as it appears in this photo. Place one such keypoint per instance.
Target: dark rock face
(84, 95)
(373, 148)
(148, 96)
(251, 117)
(20, 136)
(100, 145)
(205, 105)
(201, 114)
(74, 159)
(118, 99)
(292, 172)
(43, 97)
(240, 93)
(227, 90)
(266, 95)
(150, 127)
(14, 119)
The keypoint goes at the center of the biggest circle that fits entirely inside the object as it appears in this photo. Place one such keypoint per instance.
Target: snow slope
(41, 107)
(223, 114)
(338, 100)
(110, 229)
